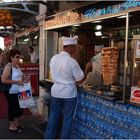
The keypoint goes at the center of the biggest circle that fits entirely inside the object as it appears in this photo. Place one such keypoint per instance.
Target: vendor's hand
(88, 67)
(86, 71)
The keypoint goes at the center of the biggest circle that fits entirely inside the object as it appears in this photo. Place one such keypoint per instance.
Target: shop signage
(65, 18)
(90, 13)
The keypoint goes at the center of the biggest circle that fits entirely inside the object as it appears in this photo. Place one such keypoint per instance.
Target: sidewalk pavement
(34, 128)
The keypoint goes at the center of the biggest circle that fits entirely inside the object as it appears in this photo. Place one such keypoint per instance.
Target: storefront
(108, 107)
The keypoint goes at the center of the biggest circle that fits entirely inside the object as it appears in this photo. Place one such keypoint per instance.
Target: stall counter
(99, 117)
(32, 71)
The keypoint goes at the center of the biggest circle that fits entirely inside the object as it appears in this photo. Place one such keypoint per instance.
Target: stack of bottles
(97, 118)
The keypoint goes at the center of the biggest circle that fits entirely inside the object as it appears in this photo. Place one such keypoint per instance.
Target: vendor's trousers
(67, 107)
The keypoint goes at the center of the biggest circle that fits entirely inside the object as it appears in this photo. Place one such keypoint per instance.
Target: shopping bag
(25, 96)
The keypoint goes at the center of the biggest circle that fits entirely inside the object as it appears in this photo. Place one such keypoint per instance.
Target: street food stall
(108, 106)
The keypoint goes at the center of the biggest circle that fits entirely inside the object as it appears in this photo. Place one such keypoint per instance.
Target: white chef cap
(99, 48)
(69, 40)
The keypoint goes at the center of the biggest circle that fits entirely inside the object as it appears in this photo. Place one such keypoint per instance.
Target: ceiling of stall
(23, 14)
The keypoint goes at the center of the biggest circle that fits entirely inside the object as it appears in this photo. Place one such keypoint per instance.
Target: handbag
(5, 87)
(25, 97)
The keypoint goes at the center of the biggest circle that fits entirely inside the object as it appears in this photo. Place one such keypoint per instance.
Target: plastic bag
(25, 96)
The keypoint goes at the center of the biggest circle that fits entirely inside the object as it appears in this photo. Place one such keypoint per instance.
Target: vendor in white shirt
(34, 56)
(65, 73)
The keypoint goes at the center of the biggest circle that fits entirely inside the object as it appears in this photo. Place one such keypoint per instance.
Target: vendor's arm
(86, 71)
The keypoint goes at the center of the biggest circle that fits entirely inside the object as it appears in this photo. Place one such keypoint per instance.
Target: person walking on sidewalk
(65, 73)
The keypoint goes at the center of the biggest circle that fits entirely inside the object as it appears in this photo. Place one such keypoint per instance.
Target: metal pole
(125, 56)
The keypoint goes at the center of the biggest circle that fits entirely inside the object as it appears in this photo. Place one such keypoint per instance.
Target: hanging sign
(93, 12)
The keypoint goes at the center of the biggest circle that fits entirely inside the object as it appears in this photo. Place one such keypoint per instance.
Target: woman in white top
(14, 111)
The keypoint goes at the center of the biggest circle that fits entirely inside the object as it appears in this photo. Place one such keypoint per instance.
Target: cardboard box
(135, 95)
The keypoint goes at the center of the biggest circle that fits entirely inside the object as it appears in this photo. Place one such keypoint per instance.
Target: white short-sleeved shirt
(65, 71)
